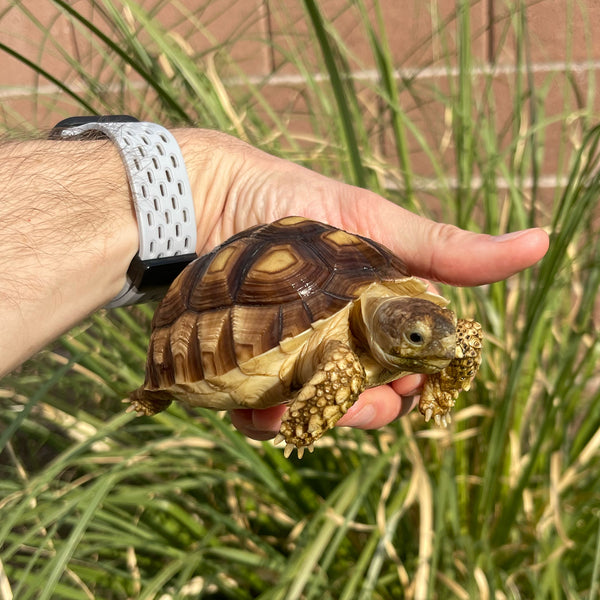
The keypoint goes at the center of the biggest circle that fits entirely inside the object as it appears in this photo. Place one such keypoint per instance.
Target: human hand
(237, 186)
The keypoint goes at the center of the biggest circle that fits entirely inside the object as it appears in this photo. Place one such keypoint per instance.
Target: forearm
(67, 236)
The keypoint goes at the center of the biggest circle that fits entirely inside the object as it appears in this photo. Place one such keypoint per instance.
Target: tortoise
(301, 313)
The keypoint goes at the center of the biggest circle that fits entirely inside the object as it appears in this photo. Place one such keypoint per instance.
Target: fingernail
(408, 404)
(513, 235)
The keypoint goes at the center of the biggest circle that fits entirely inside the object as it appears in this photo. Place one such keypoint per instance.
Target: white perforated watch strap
(160, 189)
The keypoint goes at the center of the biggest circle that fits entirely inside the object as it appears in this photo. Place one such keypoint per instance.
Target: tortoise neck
(358, 327)
(361, 316)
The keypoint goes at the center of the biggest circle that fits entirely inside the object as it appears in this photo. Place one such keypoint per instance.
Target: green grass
(97, 504)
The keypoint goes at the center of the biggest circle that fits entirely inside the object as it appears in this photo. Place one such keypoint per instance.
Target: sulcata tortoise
(301, 313)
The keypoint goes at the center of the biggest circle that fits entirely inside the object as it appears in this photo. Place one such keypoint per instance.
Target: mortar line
(362, 75)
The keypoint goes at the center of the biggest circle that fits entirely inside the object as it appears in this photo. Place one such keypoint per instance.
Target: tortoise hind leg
(331, 391)
(148, 403)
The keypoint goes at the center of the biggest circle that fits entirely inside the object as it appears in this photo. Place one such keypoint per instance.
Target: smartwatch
(161, 195)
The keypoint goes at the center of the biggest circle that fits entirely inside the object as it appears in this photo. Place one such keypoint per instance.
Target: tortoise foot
(442, 389)
(331, 391)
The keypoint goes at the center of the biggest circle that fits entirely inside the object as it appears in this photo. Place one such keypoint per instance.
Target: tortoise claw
(289, 448)
(443, 420)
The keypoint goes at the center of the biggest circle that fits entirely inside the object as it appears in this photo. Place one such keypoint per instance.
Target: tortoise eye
(414, 337)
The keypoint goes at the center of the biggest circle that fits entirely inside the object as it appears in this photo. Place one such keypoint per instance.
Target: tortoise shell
(261, 287)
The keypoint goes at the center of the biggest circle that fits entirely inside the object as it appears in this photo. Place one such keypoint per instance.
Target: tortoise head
(410, 334)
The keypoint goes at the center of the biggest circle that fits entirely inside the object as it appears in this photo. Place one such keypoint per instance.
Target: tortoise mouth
(426, 366)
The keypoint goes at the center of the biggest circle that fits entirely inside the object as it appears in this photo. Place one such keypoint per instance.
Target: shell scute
(254, 328)
(345, 253)
(160, 371)
(185, 349)
(215, 341)
(294, 318)
(341, 285)
(174, 304)
(281, 273)
(323, 305)
(215, 282)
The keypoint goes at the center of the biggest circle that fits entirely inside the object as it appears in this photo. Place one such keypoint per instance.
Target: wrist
(161, 195)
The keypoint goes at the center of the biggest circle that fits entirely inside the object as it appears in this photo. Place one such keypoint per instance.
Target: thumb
(451, 255)
(445, 253)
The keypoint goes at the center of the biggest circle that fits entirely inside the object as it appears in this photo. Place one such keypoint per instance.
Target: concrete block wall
(563, 50)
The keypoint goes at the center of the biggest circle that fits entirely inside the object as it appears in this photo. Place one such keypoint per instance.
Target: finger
(381, 405)
(460, 257)
(257, 424)
(408, 385)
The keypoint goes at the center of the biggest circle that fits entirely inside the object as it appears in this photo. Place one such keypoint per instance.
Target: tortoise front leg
(441, 389)
(331, 391)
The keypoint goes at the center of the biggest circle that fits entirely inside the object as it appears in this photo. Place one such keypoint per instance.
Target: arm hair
(67, 235)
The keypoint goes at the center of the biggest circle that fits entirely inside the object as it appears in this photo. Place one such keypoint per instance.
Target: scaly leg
(441, 389)
(147, 402)
(330, 392)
